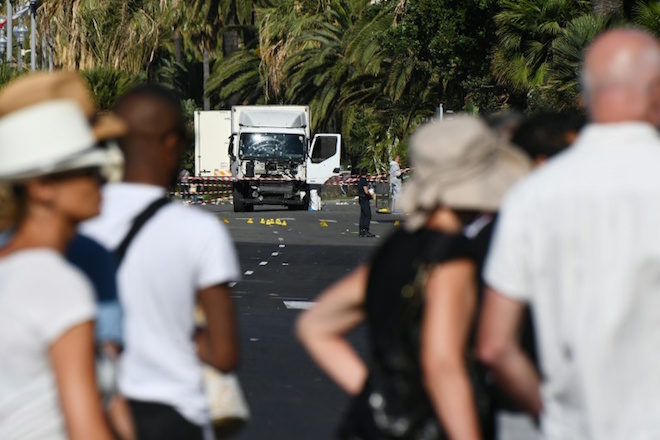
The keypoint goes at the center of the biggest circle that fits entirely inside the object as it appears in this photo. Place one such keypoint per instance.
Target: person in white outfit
(52, 175)
(395, 183)
(578, 241)
(181, 257)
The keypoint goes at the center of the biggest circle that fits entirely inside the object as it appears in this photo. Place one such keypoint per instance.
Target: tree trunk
(607, 7)
(178, 46)
(230, 38)
(207, 73)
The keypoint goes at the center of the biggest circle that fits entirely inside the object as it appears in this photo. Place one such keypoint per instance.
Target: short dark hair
(544, 134)
(364, 171)
(153, 90)
(161, 93)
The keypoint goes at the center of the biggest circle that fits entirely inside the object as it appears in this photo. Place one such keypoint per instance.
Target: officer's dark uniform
(365, 208)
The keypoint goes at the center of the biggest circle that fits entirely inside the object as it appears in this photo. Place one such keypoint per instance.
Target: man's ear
(172, 147)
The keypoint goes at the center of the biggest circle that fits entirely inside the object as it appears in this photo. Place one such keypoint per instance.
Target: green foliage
(109, 84)
(8, 73)
(373, 71)
(435, 47)
(647, 15)
(526, 31)
(563, 89)
(238, 75)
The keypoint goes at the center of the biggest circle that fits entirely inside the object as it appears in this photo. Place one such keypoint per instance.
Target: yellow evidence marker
(396, 223)
(263, 221)
(324, 223)
(278, 222)
(224, 219)
(283, 222)
(250, 222)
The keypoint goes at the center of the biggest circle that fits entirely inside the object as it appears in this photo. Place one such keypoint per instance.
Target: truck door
(323, 158)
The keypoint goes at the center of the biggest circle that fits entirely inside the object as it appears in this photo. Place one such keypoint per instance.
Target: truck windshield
(271, 146)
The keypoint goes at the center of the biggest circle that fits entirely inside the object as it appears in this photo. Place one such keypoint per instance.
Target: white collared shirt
(580, 241)
(177, 253)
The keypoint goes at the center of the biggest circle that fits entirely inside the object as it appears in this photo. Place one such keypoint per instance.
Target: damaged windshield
(271, 146)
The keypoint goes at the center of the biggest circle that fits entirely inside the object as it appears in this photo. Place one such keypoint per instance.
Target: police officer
(364, 196)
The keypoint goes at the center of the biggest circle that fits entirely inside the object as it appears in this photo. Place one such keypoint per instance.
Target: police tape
(331, 181)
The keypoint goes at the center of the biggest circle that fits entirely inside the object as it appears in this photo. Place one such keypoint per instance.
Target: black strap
(138, 222)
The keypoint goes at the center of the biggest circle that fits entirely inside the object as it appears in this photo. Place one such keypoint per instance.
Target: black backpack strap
(138, 222)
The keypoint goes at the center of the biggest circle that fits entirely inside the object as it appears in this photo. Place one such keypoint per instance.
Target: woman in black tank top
(419, 298)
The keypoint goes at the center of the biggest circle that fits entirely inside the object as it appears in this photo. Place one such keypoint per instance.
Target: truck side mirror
(335, 170)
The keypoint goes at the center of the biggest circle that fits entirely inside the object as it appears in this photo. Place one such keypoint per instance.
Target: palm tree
(93, 33)
(526, 31)
(647, 15)
(108, 84)
(318, 70)
(563, 89)
(607, 7)
(238, 79)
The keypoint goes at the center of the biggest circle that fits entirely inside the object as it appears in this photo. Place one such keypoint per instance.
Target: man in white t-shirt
(578, 240)
(181, 257)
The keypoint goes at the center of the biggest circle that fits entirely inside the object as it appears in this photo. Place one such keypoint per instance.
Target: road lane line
(248, 272)
(298, 305)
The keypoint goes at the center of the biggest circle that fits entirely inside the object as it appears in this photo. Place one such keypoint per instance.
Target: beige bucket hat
(460, 164)
(49, 124)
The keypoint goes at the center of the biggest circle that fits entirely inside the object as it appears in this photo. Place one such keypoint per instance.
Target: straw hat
(48, 124)
(460, 164)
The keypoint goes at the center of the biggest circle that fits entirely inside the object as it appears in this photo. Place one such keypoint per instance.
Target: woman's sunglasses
(95, 173)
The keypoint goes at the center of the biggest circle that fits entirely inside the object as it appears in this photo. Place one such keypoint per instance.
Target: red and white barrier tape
(332, 181)
(219, 185)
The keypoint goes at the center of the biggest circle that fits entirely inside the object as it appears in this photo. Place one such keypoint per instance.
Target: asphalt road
(287, 258)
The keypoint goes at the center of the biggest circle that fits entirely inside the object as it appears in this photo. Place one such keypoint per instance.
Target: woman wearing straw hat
(53, 168)
(419, 297)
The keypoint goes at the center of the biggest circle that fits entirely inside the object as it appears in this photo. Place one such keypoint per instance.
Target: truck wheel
(239, 204)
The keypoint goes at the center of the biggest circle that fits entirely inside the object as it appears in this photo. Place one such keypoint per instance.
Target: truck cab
(273, 158)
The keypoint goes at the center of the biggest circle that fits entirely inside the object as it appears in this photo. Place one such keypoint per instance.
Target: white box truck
(274, 159)
(212, 138)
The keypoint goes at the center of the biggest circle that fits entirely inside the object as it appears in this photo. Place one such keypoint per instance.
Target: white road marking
(274, 254)
(275, 232)
(248, 272)
(280, 238)
(282, 245)
(298, 305)
(328, 221)
(263, 263)
(285, 264)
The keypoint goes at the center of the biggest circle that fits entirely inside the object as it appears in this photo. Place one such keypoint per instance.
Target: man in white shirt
(578, 240)
(181, 257)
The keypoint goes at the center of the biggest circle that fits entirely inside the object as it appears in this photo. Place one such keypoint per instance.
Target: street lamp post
(33, 34)
(9, 26)
(20, 31)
